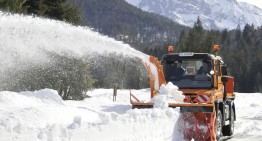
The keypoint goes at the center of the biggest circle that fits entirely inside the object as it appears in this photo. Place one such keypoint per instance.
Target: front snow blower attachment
(198, 126)
(208, 109)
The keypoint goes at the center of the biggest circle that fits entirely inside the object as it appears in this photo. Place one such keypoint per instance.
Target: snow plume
(26, 39)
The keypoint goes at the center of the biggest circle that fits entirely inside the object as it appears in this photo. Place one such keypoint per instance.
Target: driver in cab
(204, 71)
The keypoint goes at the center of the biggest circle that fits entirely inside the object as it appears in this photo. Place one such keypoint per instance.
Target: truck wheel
(218, 124)
(228, 130)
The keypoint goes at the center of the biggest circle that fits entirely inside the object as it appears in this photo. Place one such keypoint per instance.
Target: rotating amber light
(216, 47)
(170, 49)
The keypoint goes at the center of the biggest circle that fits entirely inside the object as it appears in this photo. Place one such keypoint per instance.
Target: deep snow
(42, 115)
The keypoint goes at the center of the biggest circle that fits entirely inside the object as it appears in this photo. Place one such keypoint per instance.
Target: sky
(257, 3)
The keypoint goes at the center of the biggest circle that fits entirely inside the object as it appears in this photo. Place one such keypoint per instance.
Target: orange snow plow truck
(208, 110)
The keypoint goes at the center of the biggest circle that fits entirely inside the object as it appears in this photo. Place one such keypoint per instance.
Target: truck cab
(200, 71)
(193, 64)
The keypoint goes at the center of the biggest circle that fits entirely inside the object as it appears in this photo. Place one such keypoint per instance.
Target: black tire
(228, 130)
(218, 124)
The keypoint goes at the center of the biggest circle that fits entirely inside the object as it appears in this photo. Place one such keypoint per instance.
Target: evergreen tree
(13, 6)
(70, 76)
(64, 10)
(241, 50)
(224, 36)
(238, 33)
(248, 33)
(181, 44)
(212, 38)
(32, 6)
(195, 40)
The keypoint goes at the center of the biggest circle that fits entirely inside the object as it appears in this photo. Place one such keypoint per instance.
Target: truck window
(188, 73)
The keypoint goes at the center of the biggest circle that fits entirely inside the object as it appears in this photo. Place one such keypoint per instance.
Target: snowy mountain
(215, 14)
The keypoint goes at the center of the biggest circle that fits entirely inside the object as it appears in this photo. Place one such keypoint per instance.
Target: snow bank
(43, 116)
(22, 112)
(47, 96)
(168, 93)
(136, 124)
(39, 115)
(27, 98)
(118, 122)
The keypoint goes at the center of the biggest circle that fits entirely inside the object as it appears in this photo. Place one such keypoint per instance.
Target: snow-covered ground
(248, 125)
(42, 115)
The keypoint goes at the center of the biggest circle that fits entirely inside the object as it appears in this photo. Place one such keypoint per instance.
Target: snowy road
(248, 125)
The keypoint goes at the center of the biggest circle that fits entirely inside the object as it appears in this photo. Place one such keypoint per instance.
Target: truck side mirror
(224, 70)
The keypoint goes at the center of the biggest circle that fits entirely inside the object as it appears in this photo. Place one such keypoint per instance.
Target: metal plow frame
(199, 115)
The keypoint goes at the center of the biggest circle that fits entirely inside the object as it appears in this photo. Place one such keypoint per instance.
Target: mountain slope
(214, 14)
(118, 19)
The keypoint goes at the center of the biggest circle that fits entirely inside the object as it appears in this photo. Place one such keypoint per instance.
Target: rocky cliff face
(215, 14)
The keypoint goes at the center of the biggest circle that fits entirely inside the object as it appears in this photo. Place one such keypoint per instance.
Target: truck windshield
(189, 73)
